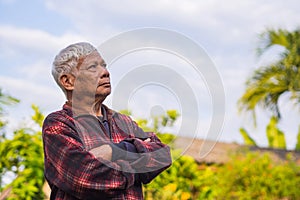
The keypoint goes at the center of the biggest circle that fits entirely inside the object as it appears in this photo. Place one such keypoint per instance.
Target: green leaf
(298, 140)
(275, 136)
(247, 139)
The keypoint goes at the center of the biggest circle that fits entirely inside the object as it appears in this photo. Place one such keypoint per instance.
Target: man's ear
(67, 81)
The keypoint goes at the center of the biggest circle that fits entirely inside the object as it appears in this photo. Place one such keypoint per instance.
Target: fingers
(147, 140)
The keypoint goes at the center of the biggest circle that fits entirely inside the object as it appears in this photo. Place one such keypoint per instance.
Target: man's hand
(103, 151)
(147, 140)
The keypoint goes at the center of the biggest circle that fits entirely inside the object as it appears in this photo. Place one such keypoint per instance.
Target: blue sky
(33, 15)
(32, 33)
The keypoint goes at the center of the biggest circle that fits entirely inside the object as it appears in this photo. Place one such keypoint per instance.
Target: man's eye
(92, 67)
(104, 65)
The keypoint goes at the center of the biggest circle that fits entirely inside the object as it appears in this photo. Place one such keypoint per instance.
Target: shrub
(256, 176)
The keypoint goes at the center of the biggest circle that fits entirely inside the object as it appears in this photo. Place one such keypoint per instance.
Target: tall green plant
(22, 156)
(5, 100)
(247, 138)
(268, 83)
(275, 136)
(298, 140)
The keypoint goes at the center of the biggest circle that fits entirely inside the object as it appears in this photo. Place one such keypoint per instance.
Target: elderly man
(91, 151)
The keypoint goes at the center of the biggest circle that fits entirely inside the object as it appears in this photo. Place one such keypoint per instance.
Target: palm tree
(268, 83)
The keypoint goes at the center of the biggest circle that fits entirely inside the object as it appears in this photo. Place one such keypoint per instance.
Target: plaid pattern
(74, 173)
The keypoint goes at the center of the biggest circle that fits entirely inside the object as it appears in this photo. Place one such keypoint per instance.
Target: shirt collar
(107, 113)
(104, 114)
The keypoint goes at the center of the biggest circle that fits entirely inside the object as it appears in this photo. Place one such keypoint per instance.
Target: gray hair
(67, 60)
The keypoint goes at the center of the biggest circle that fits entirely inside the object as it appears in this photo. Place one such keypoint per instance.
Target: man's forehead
(93, 57)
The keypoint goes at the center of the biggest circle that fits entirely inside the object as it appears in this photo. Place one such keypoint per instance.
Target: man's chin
(102, 95)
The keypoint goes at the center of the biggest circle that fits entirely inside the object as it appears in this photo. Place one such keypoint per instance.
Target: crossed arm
(81, 172)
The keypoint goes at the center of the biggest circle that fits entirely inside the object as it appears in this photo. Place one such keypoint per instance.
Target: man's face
(92, 78)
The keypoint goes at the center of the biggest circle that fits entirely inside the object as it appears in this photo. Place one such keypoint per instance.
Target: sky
(33, 32)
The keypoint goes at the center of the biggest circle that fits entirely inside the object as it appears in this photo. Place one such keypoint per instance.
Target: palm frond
(264, 89)
(268, 83)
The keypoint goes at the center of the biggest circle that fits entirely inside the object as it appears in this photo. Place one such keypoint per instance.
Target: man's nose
(104, 73)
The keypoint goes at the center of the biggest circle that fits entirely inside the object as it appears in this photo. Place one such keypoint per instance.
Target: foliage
(5, 100)
(268, 83)
(23, 156)
(256, 176)
(298, 140)
(245, 176)
(275, 136)
(157, 122)
(182, 179)
(247, 139)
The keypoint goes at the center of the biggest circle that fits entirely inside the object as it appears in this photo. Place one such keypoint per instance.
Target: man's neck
(94, 109)
(97, 109)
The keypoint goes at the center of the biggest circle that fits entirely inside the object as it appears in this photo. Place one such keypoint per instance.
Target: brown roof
(219, 152)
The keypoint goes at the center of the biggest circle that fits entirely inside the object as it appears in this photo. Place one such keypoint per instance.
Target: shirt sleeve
(154, 156)
(124, 151)
(76, 171)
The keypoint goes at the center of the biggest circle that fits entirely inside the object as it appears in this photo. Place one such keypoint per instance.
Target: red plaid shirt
(74, 173)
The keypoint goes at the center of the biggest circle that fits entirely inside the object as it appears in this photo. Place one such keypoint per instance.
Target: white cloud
(31, 81)
(30, 92)
(226, 27)
(17, 41)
